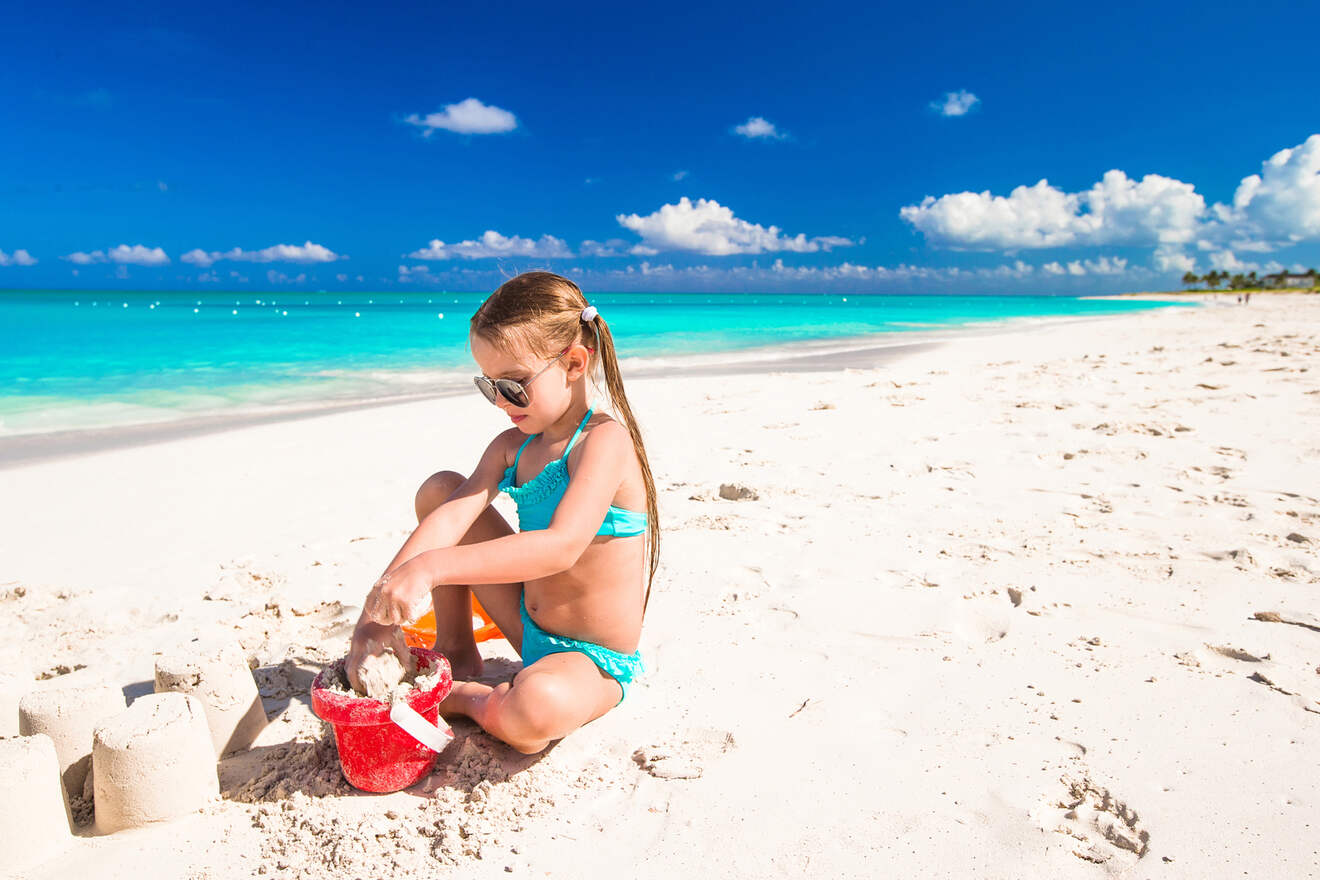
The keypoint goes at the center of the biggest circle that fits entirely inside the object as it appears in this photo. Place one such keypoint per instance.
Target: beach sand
(1036, 603)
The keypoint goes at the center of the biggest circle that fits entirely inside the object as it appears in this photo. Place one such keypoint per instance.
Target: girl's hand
(400, 596)
(371, 639)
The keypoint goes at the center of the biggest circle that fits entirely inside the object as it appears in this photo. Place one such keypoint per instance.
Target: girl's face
(548, 382)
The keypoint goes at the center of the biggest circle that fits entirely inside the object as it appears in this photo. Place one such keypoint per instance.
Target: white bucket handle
(433, 737)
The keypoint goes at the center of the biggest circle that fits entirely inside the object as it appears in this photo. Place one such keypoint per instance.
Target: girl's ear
(576, 361)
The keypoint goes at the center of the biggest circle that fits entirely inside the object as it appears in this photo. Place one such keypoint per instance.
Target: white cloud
(341, 277)
(615, 247)
(1281, 205)
(1098, 266)
(469, 116)
(19, 257)
(1172, 259)
(1276, 208)
(492, 244)
(279, 253)
(121, 272)
(1227, 261)
(757, 127)
(137, 255)
(1017, 269)
(679, 175)
(1106, 266)
(275, 277)
(955, 103)
(1116, 210)
(1097, 275)
(1035, 216)
(851, 271)
(707, 227)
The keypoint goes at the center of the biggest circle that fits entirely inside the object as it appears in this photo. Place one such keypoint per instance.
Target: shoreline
(814, 355)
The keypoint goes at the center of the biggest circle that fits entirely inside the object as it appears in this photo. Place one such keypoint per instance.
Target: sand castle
(217, 674)
(69, 715)
(153, 762)
(34, 812)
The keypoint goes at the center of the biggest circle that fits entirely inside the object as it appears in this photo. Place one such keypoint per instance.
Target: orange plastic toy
(422, 633)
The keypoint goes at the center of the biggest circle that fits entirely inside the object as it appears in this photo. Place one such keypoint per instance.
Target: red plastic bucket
(376, 754)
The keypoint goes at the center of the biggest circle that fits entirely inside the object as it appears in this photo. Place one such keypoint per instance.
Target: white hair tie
(589, 314)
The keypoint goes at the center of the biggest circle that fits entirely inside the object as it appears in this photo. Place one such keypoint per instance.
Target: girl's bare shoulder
(605, 439)
(607, 430)
(505, 445)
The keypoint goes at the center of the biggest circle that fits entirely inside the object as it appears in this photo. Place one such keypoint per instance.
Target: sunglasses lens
(512, 391)
(485, 387)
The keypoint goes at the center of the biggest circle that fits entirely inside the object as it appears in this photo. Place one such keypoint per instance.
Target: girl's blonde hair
(543, 312)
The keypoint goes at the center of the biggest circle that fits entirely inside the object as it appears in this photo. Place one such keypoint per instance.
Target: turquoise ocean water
(99, 359)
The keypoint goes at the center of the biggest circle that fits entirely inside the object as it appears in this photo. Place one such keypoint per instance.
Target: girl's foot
(464, 660)
(466, 699)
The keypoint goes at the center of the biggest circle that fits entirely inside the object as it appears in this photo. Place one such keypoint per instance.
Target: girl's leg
(453, 604)
(546, 701)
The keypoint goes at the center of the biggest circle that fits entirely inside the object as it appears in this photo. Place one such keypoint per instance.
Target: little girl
(569, 589)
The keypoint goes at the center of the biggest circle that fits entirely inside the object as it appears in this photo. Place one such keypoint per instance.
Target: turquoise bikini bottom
(537, 643)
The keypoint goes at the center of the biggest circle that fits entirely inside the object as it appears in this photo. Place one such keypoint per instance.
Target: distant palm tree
(1190, 278)
(1238, 281)
(1251, 278)
(1212, 280)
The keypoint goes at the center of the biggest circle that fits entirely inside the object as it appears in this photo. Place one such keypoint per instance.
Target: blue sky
(762, 146)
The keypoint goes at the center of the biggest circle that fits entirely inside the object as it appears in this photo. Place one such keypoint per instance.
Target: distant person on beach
(570, 588)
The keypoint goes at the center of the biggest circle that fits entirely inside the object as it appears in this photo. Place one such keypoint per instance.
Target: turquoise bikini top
(539, 496)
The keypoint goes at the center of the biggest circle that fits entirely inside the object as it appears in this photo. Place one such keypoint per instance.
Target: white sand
(1033, 604)
(381, 675)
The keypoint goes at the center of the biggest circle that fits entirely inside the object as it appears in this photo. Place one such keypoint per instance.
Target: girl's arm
(604, 459)
(447, 524)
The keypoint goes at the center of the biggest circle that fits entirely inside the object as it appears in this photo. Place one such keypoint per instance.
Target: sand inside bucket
(385, 677)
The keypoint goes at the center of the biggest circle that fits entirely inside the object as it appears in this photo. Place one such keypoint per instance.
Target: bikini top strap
(569, 447)
(518, 457)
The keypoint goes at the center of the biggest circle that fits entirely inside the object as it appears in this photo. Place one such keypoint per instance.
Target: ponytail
(619, 402)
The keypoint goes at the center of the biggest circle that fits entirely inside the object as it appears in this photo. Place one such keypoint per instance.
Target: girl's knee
(537, 710)
(435, 490)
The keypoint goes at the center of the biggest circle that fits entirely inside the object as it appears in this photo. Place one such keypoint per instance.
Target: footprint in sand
(1240, 557)
(1295, 618)
(737, 492)
(1280, 678)
(686, 757)
(982, 623)
(1104, 827)
(1233, 653)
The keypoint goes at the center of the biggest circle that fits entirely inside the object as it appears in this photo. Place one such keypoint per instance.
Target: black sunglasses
(514, 392)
